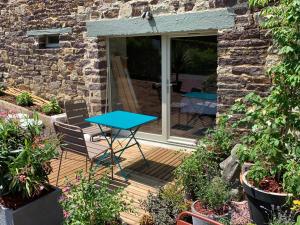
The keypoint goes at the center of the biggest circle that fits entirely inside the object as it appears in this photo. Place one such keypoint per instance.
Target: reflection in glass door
(193, 103)
(135, 64)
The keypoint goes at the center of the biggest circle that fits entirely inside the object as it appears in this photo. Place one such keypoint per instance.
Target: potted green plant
(272, 142)
(213, 201)
(195, 171)
(203, 165)
(92, 201)
(26, 197)
(164, 206)
(52, 108)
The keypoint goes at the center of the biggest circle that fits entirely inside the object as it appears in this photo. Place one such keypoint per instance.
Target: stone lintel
(210, 20)
(53, 31)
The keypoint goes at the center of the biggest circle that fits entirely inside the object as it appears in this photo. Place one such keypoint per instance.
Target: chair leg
(59, 167)
(66, 155)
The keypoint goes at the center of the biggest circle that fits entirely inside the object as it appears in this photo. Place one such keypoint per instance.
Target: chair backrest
(76, 111)
(71, 138)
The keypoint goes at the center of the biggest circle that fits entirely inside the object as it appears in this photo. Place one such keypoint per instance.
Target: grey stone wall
(78, 68)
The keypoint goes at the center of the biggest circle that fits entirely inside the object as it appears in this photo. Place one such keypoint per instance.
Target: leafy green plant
(24, 99)
(273, 142)
(165, 206)
(91, 201)
(198, 169)
(24, 159)
(220, 139)
(52, 107)
(215, 195)
(28, 172)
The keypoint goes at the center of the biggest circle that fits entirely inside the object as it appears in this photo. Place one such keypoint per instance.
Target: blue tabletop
(201, 95)
(121, 120)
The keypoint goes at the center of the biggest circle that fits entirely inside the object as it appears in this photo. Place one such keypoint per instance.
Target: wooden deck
(142, 178)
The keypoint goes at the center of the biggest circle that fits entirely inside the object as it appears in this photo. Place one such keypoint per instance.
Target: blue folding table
(121, 120)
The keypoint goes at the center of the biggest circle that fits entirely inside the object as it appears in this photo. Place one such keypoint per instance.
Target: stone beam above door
(186, 22)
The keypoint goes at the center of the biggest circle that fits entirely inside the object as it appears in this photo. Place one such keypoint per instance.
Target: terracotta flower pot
(262, 203)
(213, 216)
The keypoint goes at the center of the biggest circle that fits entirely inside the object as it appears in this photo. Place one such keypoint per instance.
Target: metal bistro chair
(72, 140)
(203, 219)
(76, 111)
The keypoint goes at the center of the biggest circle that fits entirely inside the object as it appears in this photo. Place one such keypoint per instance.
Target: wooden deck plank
(143, 178)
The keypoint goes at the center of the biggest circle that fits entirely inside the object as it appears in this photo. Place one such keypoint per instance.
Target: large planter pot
(197, 221)
(43, 211)
(262, 203)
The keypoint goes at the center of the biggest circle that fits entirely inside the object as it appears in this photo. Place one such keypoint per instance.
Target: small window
(51, 41)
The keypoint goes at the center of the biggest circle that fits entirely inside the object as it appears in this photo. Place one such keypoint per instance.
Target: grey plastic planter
(43, 211)
(261, 203)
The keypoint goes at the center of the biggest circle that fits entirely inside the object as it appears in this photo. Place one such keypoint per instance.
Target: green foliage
(28, 172)
(165, 206)
(198, 169)
(273, 142)
(215, 194)
(282, 218)
(52, 107)
(24, 99)
(24, 158)
(220, 139)
(91, 201)
(2, 89)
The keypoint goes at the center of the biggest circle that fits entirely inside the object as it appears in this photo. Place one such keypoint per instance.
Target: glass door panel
(135, 64)
(193, 95)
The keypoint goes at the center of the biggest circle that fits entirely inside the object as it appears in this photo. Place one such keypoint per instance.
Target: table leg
(138, 144)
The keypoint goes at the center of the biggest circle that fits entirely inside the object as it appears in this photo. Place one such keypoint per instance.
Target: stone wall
(242, 54)
(78, 68)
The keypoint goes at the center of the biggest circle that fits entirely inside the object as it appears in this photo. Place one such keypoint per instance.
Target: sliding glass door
(135, 65)
(173, 78)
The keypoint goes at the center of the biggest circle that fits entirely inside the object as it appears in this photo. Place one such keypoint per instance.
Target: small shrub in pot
(52, 107)
(165, 206)
(195, 171)
(91, 201)
(213, 200)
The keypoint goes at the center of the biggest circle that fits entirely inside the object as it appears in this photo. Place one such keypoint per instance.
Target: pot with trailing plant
(273, 142)
(26, 197)
(273, 149)
(213, 202)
